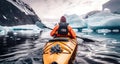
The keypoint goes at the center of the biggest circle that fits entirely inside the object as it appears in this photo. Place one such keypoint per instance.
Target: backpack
(63, 30)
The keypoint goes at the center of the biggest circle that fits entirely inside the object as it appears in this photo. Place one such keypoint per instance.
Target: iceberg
(76, 22)
(103, 20)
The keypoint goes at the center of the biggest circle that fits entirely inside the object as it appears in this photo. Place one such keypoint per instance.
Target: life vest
(63, 29)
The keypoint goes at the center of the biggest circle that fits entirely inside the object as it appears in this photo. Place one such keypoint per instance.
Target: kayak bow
(60, 51)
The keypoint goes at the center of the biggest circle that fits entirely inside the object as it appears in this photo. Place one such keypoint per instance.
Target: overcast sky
(56, 8)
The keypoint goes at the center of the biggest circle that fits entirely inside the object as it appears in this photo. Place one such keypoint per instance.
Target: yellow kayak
(60, 51)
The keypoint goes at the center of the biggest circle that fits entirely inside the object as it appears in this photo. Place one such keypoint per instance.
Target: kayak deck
(64, 50)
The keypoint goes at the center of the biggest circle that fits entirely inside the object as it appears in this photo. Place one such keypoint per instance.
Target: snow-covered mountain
(16, 12)
(18, 20)
(113, 5)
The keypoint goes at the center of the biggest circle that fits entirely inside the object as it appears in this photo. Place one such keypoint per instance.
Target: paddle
(85, 39)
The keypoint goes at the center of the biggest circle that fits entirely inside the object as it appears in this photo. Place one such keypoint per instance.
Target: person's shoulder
(57, 25)
(69, 27)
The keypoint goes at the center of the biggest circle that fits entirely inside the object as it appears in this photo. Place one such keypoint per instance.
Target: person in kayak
(63, 30)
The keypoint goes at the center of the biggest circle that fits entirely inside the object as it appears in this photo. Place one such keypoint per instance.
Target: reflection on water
(17, 52)
(107, 51)
(99, 52)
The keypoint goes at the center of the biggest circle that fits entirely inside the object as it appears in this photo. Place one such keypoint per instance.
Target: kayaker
(63, 30)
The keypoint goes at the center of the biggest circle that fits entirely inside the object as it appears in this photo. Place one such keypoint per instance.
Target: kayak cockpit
(59, 39)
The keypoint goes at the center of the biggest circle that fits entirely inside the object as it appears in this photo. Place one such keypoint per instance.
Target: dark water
(106, 51)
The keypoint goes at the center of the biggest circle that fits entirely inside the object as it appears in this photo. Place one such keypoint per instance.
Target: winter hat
(63, 19)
